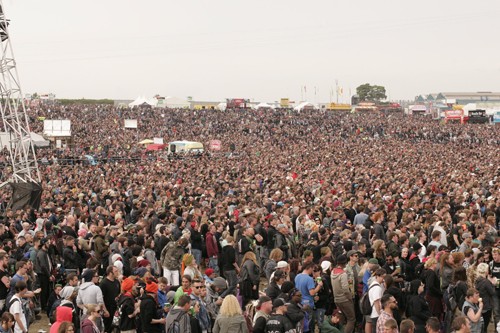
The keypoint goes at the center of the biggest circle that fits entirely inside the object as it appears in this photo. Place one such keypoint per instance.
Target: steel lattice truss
(21, 156)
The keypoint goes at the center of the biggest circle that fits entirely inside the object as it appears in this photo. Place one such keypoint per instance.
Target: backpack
(418, 270)
(451, 298)
(248, 314)
(364, 303)
(175, 326)
(52, 311)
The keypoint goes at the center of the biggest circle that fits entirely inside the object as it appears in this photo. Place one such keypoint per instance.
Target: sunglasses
(198, 287)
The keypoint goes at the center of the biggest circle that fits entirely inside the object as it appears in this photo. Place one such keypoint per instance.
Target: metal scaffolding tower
(21, 157)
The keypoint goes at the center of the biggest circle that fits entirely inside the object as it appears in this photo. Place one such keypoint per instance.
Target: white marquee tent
(306, 105)
(176, 103)
(142, 101)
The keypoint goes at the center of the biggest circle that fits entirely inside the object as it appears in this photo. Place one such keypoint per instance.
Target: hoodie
(184, 320)
(63, 313)
(340, 286)
(89, 327)
(89, 293)
(224, 324)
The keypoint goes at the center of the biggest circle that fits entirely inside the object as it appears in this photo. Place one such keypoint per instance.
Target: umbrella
(146, 142)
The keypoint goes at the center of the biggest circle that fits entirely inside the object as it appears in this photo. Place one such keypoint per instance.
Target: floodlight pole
(22, 158)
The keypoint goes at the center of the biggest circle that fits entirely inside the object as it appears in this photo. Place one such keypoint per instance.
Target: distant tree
(367, 92)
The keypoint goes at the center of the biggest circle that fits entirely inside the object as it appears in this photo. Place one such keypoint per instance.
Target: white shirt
(16, 307)
(374, 294)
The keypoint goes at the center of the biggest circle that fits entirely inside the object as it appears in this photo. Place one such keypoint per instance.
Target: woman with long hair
(249, 278)
(446, 267)
(471, 271)
(230, 318)
(485, 284)
(191, 267)
(89, 325)
(379, 249)
(7, 322)
(270, 265)
(460, 283)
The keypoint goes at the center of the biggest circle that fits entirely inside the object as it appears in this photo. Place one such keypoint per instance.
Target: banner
(130, 123)
(285, 102)
(158, 141)
(496, 118)
(57, 127)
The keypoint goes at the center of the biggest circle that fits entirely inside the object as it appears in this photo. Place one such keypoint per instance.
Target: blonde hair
(482, 269)
(377, 246)
(249, 256)
(187, 259)
(91, 308)
(230, 306)
(430, 262)
(276, 254)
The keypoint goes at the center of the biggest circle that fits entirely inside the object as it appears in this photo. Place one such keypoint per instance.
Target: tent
(142, 101)
(222, 106)
(306, 105)
(264, 106)
(38, 140)
(176, 103)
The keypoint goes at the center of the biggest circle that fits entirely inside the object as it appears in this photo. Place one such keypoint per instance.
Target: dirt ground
(42, 324)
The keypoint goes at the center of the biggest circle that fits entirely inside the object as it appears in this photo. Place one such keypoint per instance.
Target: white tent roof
(174, 102)
(264, 106)
(38, 140)
(222, 106)
(305, 104)
(141, 100)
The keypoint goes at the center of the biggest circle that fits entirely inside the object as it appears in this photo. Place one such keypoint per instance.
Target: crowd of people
(305, 221)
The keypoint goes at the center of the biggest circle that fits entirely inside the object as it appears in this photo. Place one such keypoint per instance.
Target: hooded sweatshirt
(340, 285)
(184, 320)
(89, 293)
(224, 324)
(62, 314)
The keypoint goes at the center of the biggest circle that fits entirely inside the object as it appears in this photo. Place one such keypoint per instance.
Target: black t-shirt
(495, 269)
(3, 287)
(128, 307)
(110, 291)
(68, 231)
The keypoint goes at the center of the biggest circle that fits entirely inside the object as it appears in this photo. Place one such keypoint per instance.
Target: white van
(185, 147)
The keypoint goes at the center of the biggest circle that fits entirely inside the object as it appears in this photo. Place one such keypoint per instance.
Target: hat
(416, 247)
(152, 288)
(342, 259)
(170, 296)
(220, 283)
(127, 284)
(325, 265)
(373, 261)
(66, 292)
(278, 302)
(351, 253)
(262, 300)
(209, 271)
(116, 257)
(282, 264)
(466, 235)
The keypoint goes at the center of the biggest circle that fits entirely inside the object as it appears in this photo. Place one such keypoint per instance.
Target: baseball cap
(278, 302)
(262, 300)
(282, 264)
(351, 253)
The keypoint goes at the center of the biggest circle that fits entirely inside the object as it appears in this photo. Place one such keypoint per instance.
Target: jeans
(212, 263)
(319, 316)
(232, 281)
(197, 256)
(262, 256)
(171, 276)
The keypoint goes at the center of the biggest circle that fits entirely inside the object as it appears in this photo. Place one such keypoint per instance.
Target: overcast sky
(263, 50)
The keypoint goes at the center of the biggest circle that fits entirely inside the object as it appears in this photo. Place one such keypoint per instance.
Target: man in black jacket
(43, 268)
(72, 259)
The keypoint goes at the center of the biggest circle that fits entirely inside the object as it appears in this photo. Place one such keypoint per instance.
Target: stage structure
(21, 170)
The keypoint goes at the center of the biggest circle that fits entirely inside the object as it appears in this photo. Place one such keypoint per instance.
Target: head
(93, 310)
(186, 282)
(390, 326)
(230, 307)
(407, 326)
(295, 295)
(197, 286)
(265, 304)
(482, 270)
(66, 327)
(472, 295)
(389, 302)
(380, 275)
(433, 325)
(461, 324)
(276, 255)
(7, 320)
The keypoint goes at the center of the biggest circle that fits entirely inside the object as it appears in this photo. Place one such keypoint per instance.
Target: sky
(261, 50)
